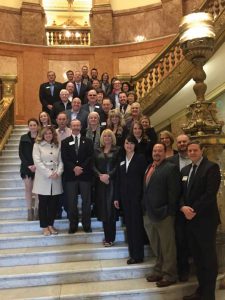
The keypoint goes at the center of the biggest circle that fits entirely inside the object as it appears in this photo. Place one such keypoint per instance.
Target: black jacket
(25, 153)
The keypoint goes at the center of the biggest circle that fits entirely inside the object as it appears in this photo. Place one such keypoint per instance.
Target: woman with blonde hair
(115, 122)
(93, 130)
(105, 167)
(47, 182)
(166, 137)
(44, 119)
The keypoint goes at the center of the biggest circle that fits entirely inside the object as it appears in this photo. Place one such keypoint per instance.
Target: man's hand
(116, 204)
(188, 212)
(78, 170)
(104, 178)
(49, 106)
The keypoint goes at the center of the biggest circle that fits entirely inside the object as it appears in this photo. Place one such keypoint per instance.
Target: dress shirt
(78, 137)
(197, 164)
(62, 134)
(128, 161)
(74, 115)
(183, 161)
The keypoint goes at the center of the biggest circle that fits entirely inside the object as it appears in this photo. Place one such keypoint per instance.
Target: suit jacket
(45, 95)
(81, 116)
(86, 108)
(57, 108)
(174, 159)
(82, 93)
(47, 159)
(202, 194)
(84, 158)
(162, 193)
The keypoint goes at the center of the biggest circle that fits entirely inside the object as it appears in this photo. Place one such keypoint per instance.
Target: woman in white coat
(47, 182)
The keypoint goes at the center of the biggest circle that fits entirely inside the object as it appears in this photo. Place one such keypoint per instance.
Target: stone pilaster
(32, 23)
(101, 20)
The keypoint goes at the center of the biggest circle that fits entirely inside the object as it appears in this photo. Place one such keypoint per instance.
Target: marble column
(101, 20)
(33, 23)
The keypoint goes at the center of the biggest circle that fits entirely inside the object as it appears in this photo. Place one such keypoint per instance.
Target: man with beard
(162, 186)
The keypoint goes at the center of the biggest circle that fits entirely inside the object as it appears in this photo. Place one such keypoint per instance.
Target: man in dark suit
(49, 92)
(181, 160)
(201, 181)
(61, 105)
(77, 113)
(104, 112)
(77, 156)
(114, 96)
(92, 104)
(162, 186)
(80, 89)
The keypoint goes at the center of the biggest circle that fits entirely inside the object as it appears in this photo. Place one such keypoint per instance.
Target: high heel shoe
(52, 230)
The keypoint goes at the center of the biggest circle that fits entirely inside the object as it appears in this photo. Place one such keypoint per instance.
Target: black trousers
(109, 227)
(202, 242)
(47, 209)
(73, 189)
(183, 251)
(135, 231)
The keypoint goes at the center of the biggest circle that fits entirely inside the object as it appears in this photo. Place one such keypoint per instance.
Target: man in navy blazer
(77, 156)
(201, 181)
(80, 89)
(181, 160)
(49, 92)
(162, 186)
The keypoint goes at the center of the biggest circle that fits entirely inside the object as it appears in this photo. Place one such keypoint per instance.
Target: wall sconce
(139, 38)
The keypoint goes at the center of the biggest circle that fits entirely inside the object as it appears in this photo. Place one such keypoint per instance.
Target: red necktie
(149, 173)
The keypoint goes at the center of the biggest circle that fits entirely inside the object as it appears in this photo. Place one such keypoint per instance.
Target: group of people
(107, 152)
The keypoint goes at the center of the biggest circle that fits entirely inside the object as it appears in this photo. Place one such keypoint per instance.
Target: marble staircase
(65, 266)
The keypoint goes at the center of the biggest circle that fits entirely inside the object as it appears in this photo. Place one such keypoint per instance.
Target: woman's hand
(32, 168)
(104, 178)
(54, 176)
(117, 204)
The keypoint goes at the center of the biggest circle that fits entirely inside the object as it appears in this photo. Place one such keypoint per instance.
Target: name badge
(122, 163)
(97, 106)
(185, 178)
(103, 123)
(71, 143)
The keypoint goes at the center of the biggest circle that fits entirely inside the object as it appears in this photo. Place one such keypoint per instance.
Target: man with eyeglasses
(92, 104)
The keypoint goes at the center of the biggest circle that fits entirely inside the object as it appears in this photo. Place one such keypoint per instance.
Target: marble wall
(31, 64)
(10, 21)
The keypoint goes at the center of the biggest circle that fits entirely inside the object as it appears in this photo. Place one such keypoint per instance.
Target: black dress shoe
(72, 230)
(184, 277)
(87, 229)
(164, 283)
(132, 261)
(194, 296)
(153, 278)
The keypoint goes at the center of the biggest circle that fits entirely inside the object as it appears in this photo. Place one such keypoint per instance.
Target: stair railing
(155, 73)
(6, 108)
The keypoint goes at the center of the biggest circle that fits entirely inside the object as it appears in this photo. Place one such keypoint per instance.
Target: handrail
(167, 60)
(6, 119)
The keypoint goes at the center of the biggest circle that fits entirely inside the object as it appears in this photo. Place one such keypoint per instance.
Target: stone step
(9, 192)
(10, 153)
(36, 239)
(12, 143)
(12, 202)
(71, 272)
(13, 213)
(11, 146)
(10, 159)
(63, 253)
(10, 166)
(10, 174)
(11, 183)
(22, 225)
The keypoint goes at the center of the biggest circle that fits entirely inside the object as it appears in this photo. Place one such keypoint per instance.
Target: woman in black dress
(105, 167)
(27, 167)
(129, 193)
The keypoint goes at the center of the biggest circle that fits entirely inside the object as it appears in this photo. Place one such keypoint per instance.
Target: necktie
(76, 145)
(78, 88)
(149, 174)
(52, 88)
(191, 178)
